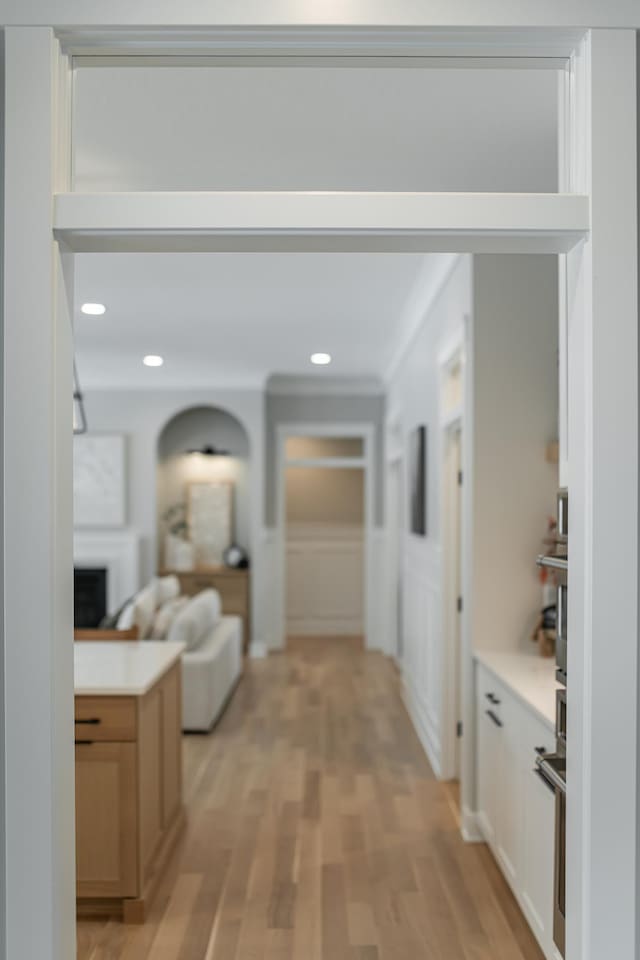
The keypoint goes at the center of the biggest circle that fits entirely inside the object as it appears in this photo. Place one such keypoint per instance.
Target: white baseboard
(471, 832)
(257, 650)
(426, 734)
(320, 627)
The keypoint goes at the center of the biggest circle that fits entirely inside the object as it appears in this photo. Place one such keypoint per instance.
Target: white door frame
(452, 421)
(596, 228)
(365, 432)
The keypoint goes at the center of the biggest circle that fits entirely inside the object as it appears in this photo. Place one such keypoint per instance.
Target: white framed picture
(99, 480)
(210, 520)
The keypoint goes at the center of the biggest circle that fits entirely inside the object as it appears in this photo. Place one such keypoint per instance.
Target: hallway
(316, 831)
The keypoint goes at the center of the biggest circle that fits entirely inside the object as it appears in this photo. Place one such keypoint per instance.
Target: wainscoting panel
(325, 580)
(422, 634)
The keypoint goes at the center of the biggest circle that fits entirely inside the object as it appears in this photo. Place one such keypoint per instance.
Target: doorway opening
(588, 530)
(324, 540)
(325, 520)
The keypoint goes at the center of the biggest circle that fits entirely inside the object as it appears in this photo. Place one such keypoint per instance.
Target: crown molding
(284, 385)
(421, 302)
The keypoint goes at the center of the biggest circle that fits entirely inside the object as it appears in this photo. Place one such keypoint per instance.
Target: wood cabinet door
(106, 820)
(150, 772)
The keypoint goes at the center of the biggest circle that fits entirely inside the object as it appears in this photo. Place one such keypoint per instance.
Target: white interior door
(456, 552)
(452, 496)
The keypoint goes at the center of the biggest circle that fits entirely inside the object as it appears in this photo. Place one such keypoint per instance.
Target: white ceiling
(234, 319)
(239, 318)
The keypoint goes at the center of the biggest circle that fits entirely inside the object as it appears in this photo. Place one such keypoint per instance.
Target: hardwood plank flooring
(317, 831)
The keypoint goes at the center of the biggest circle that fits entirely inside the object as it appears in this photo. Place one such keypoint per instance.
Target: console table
(232, 585)
(129, 808)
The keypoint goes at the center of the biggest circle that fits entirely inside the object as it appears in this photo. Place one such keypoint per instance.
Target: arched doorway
(203, 504)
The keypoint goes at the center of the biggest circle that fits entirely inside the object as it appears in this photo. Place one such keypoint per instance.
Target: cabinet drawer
(105, 719)
(490, 693)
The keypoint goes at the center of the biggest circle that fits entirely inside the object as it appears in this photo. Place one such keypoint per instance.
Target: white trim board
(360, 20)
(324, 220)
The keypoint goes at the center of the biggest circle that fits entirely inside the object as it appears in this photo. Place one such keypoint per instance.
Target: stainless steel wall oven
(553, 767)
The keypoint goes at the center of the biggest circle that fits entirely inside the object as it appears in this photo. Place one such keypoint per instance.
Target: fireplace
(90, 596)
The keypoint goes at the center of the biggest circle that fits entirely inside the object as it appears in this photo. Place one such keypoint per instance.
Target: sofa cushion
(144, 608)
(165, 615)
(168, 588)
(196, 619)
(125, 619)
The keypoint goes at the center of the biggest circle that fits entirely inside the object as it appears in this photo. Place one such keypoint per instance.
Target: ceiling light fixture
(152, 360)
(93, 309)
(321, 359)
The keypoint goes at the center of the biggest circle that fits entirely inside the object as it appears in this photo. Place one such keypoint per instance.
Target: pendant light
(79, 416)
(209, 451)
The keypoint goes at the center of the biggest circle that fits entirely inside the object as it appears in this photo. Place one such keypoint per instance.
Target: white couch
(212, 661)
(210, 673)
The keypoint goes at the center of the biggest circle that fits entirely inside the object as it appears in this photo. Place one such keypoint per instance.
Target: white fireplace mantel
(118, 551)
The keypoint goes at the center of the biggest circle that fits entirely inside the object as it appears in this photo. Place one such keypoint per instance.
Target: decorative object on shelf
(210, 520)
(210, 451)
(544, 633)
(178, 552)
(175, 520)
(418, 480)
(99, 480)
(553, 452)
(79, 415)
(235, 557)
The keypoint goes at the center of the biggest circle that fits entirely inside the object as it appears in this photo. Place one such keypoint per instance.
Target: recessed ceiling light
(93, 309)
(321, 359)
(152, 360)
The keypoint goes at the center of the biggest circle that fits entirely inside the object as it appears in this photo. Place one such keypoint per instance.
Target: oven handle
(553, 563)
(550, 775)
(544, 780)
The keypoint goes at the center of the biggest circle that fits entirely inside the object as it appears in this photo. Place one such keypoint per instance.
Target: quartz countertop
(531, 678)
(122, 669)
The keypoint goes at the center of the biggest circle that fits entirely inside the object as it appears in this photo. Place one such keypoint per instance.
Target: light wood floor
(318, 832)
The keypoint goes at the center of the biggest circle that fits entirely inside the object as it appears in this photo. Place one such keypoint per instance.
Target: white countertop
(126, 669)
(531, 678)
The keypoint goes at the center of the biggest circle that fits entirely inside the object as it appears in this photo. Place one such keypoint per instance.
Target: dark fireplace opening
(89, 597)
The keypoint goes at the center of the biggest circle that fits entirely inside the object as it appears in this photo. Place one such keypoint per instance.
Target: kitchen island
(128, 743)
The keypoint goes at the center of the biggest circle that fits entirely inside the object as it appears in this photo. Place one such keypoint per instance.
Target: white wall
(141, 416)
(511, 345)
(515, 411)
(412, 401)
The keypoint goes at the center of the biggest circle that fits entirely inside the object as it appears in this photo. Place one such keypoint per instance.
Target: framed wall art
(99, 480)
(210, 520)
(418, 480)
